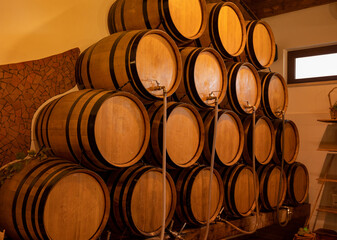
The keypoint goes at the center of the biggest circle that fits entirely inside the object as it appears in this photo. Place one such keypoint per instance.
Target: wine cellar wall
(111, 131)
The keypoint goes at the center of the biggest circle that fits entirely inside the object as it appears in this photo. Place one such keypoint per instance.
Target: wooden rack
(329, 144)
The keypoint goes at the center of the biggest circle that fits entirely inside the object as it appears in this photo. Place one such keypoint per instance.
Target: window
(312, 65)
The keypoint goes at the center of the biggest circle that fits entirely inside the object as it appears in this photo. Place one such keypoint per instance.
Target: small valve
(174, 234)
(250, 106)
(211, 96)
(280, 112)
(219, 218)
(156, 88)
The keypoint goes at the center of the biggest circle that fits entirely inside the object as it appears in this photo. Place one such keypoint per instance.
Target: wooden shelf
(327, 180)
(327, 209)
(327, 120)
(327, 149)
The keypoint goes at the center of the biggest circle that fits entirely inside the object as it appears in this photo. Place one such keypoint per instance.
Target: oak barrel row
(52, 194)
(220, 25)
(139, 60)
(52, 198)
(103, 130)
(94, 108)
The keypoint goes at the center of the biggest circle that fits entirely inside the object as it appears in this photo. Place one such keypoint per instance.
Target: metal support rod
(158, 88)
(282, 224)
(164, 162)
(216, 110)
(256, 196)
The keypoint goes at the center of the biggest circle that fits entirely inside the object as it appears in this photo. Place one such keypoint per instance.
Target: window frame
(314, 51)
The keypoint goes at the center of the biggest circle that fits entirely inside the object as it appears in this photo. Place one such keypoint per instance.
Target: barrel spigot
(280, 112)
(157, 88)
(212, 97)
(219, 218)
(248, 106)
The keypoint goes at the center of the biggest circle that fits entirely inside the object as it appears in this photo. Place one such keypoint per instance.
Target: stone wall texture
(23, 88)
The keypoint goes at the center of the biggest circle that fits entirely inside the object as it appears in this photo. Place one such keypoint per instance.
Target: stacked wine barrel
(202, 54)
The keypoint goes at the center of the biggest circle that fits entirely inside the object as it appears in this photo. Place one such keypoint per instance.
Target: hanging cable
(158, 88)
(215, 98)
(164, 162)
(239, 229)
(256, 195)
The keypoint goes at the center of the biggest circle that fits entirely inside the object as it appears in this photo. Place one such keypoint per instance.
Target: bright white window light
(316, 66)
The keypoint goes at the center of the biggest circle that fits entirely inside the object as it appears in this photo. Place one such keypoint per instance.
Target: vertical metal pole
(164, 163)
(212, 166)
(256, 196)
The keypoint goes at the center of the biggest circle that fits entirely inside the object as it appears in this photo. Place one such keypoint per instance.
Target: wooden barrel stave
(185, 135)
(244, 85)
(230, 137)
(204, 73)
(85, 126)
(192, 193)
(239, 198)
(264, 140)
(132, 61)
(260, 47)
(292, 142)
(297, 183)
(269, 178)
(225, 31)
(183, 21)
(32, 206)
(41, 120)
(274, 94)
(132, 187)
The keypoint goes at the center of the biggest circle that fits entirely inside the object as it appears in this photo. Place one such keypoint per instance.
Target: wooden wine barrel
(132, 61)
(297, 183)
(99, 129)
(229, 140)
(244, 86)
(225, 31)
(53, 199)
(193, 191)
(204, 73)
(269, 178)
(274, 94)
(185, 135)
(136, 200)
(239, 198)
(182, 20)
(264, 140)
(260, 46)
(291, 141)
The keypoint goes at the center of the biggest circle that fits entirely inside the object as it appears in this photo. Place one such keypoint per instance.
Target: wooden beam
(268, 8)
